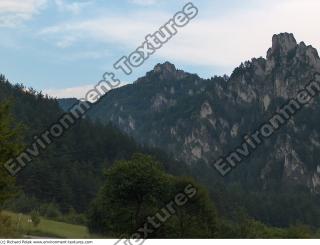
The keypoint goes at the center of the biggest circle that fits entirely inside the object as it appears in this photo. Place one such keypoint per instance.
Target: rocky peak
(164, 72)
(282, 44)
(286, 53)
(287, 68)
(166, 67)
(309, 55)
(168, 71)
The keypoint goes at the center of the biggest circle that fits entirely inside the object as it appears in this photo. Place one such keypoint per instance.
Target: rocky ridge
(200, 120)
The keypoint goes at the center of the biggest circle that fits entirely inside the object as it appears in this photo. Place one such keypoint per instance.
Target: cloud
(144, 2)
(74, 7)
(14, 12)
(85, 55)
(118, 30)
(66, 42)
(73, 92)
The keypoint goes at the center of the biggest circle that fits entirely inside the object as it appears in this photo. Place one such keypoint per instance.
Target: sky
(62, 47)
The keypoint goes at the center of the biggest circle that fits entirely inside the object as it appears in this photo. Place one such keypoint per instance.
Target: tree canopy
(139, 192)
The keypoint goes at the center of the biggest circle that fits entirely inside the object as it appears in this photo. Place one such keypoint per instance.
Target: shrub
(35, 218)
(6, 227)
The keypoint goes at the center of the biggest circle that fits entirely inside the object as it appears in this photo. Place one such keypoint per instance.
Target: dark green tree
(35, 218)
(197, 218)
(137, 190)
(10, 145)
(131, 192)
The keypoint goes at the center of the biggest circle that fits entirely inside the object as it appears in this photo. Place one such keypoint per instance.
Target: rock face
(208, 122)
(282, 45)
(163, 72)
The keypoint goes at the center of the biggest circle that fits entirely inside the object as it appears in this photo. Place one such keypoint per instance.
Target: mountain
(200, 120)
(66, 103)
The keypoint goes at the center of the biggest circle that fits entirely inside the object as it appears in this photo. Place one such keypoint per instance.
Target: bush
(50, 211)
(6, 227)
(35, 218)
(299, 231)
(74, 218)
(22, 204)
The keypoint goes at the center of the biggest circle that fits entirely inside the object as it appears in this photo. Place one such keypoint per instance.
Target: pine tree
(9, 147)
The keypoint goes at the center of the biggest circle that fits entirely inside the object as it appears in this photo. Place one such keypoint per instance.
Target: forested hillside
(69, 173)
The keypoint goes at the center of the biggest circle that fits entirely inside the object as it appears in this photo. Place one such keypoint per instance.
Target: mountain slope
(201, 120)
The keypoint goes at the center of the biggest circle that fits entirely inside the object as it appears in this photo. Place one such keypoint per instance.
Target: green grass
(47, 228)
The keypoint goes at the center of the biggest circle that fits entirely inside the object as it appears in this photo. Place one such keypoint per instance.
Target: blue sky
(62, 47)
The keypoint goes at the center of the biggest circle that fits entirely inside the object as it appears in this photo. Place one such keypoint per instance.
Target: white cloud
(14, 12)
(122, 30)
(74, 7)
(66, 42)
(72, 92)
(85, 55)
(144, 2)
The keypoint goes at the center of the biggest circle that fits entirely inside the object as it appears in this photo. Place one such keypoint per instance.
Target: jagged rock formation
(163, 72)
(200, 120)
